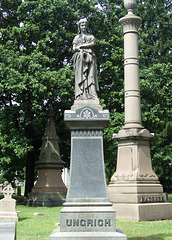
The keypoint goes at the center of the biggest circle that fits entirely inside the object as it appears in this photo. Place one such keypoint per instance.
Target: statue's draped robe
(84, 62)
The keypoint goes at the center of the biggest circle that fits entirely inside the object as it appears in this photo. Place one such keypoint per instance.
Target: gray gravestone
(7, 230)
(87, 213)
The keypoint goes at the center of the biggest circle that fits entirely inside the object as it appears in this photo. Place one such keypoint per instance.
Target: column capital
(130, 23)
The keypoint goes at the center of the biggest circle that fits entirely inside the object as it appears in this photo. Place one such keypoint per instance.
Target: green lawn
(32, 227)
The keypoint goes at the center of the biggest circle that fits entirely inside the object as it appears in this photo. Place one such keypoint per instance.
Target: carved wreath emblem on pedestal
(87, 113)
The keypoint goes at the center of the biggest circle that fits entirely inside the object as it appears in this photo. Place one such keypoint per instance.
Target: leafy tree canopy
(36, 65)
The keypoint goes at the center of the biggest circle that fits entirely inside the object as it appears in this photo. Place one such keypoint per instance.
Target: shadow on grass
(153, 237)
(23, 218)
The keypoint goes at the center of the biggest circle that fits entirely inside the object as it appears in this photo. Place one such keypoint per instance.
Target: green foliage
(156, 115)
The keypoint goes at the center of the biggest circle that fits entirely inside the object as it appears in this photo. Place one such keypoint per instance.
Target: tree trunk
(30, 166)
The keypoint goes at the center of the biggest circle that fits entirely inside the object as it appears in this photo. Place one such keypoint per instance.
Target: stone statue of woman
(84, 62)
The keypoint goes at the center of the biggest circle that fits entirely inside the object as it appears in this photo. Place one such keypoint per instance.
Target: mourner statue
(84, 62)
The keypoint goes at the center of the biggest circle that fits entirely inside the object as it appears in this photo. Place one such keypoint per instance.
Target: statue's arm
(87, 45)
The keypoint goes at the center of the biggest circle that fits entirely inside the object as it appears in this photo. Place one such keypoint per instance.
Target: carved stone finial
(130, 5)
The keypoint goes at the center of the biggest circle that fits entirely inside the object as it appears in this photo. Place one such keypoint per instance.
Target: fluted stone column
(49, 189)
(134, 188)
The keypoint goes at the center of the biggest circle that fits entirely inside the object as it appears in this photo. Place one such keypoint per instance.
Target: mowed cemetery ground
(39, 227)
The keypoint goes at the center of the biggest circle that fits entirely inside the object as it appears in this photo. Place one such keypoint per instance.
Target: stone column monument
(87, 213)
(49, 189)
(134, 189)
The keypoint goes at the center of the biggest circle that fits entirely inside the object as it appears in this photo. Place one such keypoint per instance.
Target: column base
(88, 221)
(141, 192)
(143, 212)
(46, 199)
(87, 235)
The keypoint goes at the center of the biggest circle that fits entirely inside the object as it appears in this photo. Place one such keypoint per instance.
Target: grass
(30, 227)
(169, 198)
(39, 227)
(150, 230)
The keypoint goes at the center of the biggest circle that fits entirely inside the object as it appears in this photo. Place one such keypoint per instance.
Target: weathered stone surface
(88, 218)
(38, 214)
(49, 189)
(134, 189)
(8, 206)
(57, 235)
(46, 198)
(7, 230)
(144, 212)
(87, 181)
(87, 213)
(84, 62)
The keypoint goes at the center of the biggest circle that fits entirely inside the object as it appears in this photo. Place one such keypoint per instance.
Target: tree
(156, 102)
(30, 74)
(36, 65)
(155, 77)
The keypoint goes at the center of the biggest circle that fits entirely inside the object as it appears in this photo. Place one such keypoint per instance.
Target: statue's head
(81, 22)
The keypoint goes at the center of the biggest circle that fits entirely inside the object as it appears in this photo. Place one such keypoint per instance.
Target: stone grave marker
(8, 215)
(87, 213)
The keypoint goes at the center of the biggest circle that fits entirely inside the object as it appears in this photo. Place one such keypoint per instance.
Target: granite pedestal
(87, 213)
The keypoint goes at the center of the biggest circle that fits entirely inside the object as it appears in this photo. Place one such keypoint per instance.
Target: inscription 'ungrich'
(88, 222)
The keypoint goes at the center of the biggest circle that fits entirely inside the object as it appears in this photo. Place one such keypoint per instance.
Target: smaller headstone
(8, 215)
(8, 206)
(38, 214)
(7, 230)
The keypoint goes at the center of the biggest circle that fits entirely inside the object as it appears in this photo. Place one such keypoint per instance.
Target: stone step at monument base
(136, 192)
(138, 198)
(143, 212)
(46, 199)
(135, 187)
(57, 235)
(88, 220)
(8, 216)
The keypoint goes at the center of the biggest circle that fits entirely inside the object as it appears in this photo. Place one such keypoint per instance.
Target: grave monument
(87, 212)
(8, 215)
(49, 189)
(134, 189)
